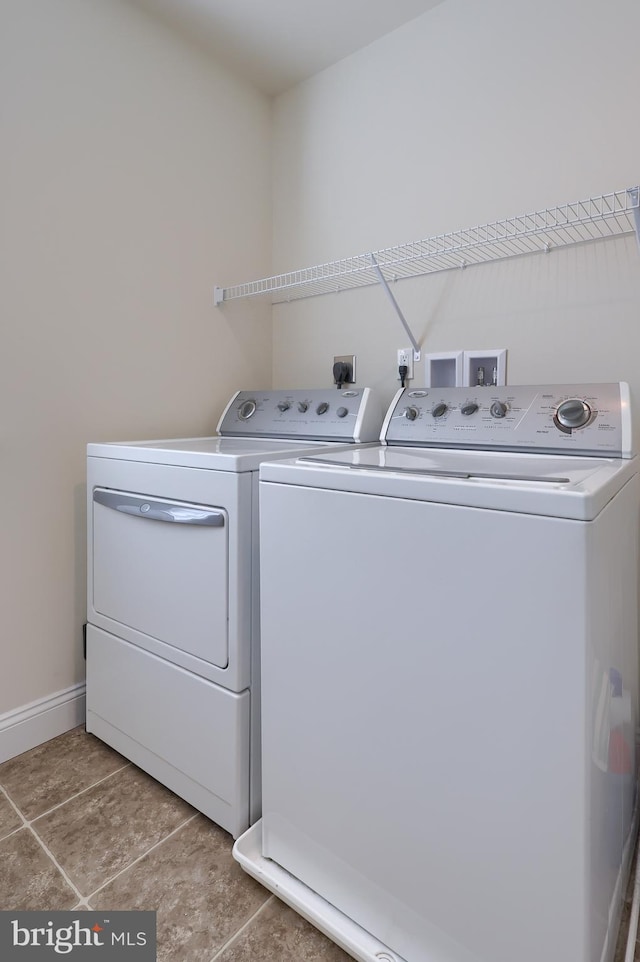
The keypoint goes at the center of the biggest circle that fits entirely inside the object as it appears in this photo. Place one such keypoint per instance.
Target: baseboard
(31, 725)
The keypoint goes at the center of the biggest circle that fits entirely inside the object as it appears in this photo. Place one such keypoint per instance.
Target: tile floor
(80, 827)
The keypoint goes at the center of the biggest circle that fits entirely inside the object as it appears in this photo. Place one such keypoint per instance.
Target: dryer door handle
(159, 510)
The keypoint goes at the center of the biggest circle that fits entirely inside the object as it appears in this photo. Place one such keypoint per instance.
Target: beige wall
(135, 175)
(472, 113)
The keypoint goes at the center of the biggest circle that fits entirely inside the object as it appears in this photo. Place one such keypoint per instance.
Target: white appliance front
(189, 733)
(169, 627)
(450, 690)
(173, 665)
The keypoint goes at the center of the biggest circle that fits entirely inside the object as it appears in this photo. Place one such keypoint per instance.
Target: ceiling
(277, 43)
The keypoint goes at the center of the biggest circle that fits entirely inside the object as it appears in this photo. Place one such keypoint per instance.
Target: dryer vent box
(444, 369)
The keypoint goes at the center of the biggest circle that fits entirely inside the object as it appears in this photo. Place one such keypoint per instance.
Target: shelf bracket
(218, 296)
(634, 196)
(396, 307)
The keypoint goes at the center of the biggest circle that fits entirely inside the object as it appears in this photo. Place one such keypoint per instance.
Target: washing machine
(450, 678)
(173, 629)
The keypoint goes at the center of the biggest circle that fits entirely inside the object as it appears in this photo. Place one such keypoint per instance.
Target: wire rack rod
(608, 215)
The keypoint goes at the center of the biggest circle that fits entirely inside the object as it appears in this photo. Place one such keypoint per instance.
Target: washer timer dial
(246, 410)
(573, 413)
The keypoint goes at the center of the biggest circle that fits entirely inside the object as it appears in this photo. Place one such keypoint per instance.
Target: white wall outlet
(405, 358)
(350, 361)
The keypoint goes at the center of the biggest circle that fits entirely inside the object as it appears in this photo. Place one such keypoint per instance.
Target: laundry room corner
(121, 139)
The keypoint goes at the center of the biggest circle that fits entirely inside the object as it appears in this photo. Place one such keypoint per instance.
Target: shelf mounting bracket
(396, 307)
(634, 196)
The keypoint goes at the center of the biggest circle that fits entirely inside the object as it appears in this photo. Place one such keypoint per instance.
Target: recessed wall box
(443, 369)
(485, 368)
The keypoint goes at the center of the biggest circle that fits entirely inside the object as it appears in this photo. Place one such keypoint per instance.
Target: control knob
(322, 408)
(469, 408)
(302, 406)
(284, 406)
(498, 409)
(439, 410)
(342, 412)
(411, 413)
(246, 410)
(574, 413)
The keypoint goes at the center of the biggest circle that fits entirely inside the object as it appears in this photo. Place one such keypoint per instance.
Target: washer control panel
(580, 419)
(321, 414)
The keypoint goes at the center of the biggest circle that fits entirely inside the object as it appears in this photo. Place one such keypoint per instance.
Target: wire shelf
(609, 215)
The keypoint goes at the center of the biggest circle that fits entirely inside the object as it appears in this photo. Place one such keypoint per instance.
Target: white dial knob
(411, 413)
(498, 409)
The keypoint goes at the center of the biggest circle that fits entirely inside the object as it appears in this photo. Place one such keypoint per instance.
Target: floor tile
(199, 891)
(9, 819)
(97, 834)
(29, 880)
(278, 934)
(51, 773)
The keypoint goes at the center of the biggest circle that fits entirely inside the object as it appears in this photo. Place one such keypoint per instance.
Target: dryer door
(161, 568)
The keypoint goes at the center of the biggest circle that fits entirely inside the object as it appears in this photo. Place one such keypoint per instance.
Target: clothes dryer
(173, 630)
(450, 678)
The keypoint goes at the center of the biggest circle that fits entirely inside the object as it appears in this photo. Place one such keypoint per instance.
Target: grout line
(236, 935)
(24, 824)
(57, 864)
(81, 899)
(144, 855)
(82, 792)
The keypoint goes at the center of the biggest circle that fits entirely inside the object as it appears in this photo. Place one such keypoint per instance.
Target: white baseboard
(31, 725)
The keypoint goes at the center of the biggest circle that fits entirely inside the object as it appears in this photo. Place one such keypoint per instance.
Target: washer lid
(561, 487)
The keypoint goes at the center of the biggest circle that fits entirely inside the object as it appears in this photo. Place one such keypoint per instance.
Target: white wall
(472, 113)
(135, 175)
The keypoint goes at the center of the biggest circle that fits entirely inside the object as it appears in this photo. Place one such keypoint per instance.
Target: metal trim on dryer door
(176, 512)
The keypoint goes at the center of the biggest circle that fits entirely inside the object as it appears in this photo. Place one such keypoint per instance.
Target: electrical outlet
(350, 361)
(405, 358)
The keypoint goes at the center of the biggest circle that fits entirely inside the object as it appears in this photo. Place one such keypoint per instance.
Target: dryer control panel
(577, 419)
(320, 415)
